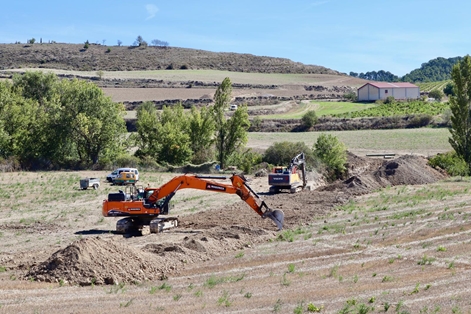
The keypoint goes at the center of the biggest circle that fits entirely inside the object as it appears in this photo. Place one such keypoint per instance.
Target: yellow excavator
(292, 178)
(144, 206)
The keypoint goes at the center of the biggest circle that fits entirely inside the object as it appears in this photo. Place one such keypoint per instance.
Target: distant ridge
(129, 58)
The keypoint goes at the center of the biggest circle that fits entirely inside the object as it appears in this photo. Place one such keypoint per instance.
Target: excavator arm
(207, 183)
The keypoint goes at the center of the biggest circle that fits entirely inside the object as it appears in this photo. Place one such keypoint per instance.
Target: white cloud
(151, 11)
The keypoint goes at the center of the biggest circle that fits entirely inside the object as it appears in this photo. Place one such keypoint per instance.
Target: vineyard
(430, 86)
(398, 109)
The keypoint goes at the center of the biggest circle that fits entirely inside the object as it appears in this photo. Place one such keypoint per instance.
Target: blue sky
(344, 35)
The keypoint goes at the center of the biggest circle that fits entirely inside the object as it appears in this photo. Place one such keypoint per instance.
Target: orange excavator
(142, 207)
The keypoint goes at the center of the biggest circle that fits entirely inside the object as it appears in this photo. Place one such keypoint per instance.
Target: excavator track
(127, 225)
(158, 224)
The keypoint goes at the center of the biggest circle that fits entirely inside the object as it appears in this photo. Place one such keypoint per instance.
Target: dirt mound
(104, 261)
(97, 261)
(367, 176)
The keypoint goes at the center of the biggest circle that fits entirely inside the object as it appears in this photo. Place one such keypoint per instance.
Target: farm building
(381, 90)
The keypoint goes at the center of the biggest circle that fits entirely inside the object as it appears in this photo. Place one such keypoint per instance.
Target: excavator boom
(146, 206)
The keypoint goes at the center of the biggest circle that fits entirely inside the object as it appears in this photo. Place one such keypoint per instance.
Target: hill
(438, 69)
(132, 58)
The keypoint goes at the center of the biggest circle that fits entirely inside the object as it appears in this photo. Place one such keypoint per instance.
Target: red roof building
(373, 91)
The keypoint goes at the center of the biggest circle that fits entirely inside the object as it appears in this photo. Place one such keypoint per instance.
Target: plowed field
(393, 237)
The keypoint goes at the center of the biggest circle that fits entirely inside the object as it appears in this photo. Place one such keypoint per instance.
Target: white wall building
(372, 91)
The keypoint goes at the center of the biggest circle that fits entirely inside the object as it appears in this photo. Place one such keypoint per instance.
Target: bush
(448, 90)
(86, 45)
(352, 96)
(333, 154)
(451, 163)
(389, 100)
(309, 119)
(245, 160)
(437, 94)
(420, 120)
(126, 161)
(256, 124)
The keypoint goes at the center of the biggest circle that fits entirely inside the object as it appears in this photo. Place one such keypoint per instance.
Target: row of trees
(384, 76)
(177, 137)
(51, 123)
(435, 70)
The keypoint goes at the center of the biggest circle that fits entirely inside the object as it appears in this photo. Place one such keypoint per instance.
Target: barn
(372, 91)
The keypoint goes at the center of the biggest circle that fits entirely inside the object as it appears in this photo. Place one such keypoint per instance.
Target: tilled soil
(212, 233)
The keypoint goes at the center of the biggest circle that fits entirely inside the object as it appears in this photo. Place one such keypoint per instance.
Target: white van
(115, 173)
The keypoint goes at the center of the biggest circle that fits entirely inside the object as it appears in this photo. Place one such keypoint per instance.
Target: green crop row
(430, 86)
(398, 109)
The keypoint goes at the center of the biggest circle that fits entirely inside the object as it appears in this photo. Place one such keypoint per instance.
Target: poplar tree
(460, 104)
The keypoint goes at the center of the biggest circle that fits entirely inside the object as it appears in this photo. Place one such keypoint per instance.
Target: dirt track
(404, 248)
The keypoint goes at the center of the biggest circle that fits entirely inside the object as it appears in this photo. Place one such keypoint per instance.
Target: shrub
(333, 154)
(389, 100)
(420, 120)
(108, 50)
(437, 94)
(309, 119)
(352, 96)
(86, 45)
(256, 124)
(245, 160)
(448, 90)
(126, 161)
(451, 163)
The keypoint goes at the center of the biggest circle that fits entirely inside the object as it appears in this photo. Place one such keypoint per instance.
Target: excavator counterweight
(141, 207)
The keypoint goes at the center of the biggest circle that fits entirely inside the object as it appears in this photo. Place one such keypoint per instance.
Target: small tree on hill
(309, 119)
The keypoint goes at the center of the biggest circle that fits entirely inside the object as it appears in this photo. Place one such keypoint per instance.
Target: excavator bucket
(277, 216)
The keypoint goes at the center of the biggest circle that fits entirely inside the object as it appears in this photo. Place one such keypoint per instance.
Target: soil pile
(97, 261)
(104, 261)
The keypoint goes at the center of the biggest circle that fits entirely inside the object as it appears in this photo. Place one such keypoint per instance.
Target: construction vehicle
(288, 178)
(124, 178)
(142, 207)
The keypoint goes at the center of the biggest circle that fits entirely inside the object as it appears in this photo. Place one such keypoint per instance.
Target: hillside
(131, 58)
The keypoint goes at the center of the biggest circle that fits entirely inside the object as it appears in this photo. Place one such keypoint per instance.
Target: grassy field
(215, 76)
(424, 141)
(322, 108)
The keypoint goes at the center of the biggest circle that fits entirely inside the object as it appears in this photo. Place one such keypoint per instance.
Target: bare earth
(353, 245)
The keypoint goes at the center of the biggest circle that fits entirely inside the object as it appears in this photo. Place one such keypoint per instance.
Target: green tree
(36, 85)
(448, 90)
(460, 104)
(201, 131)
(95, 123)
(231, 133)
(174, 136)
(437, 94)
(147, 135)
(309, 119)
(333, 154)
(163, 136)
